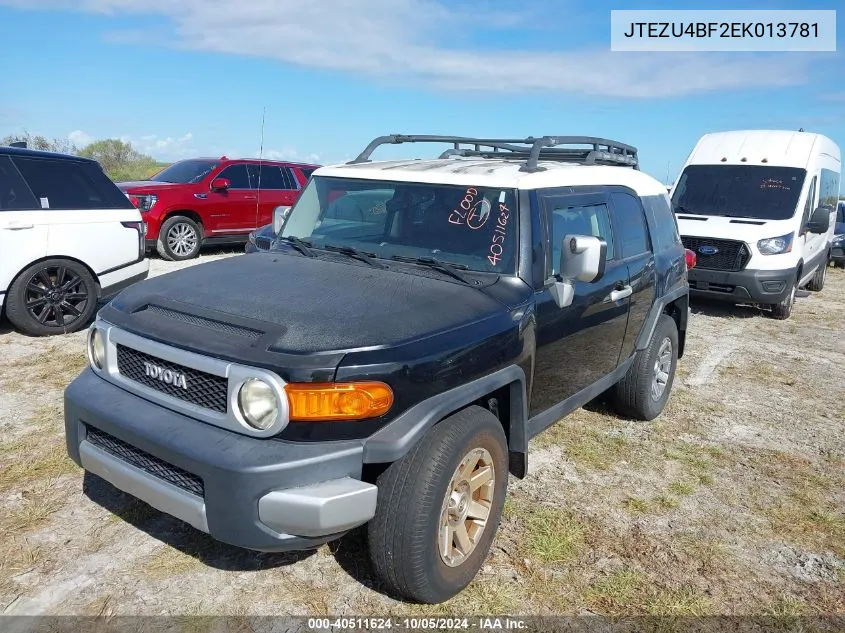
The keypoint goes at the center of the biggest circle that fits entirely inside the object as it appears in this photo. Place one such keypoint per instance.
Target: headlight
(258, 404)
(839, 239)
(96, 348)
(775, 245)
(251, 238)
(143, 202)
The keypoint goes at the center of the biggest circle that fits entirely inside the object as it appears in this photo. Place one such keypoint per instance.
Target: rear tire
(783, 310)
(436, 519)
(56, 296)
(816, 284)
(179, 239)
(644, 391)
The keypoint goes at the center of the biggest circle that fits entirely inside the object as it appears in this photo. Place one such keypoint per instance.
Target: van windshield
(758, 192)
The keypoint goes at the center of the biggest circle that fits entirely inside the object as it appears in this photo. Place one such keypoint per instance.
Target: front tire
(439, 508)
(783, 310)
(179, 239)
(817, 282)
(56, 296)
(644, 391)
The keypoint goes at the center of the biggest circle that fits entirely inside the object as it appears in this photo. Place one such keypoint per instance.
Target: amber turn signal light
(311, 401)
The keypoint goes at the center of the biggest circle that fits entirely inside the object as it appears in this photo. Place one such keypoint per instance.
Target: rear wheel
(439, 508)
(179, 239)
(817, 282)
(783, 310)
(55, 296)
(644, 391)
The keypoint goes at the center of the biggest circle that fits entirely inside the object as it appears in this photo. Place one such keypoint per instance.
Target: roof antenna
(260, 156)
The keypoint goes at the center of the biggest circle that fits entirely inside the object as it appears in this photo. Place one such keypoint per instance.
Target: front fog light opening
(258, 404)
(96, 349)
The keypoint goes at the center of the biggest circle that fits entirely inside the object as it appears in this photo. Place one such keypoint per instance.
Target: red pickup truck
(212, 201)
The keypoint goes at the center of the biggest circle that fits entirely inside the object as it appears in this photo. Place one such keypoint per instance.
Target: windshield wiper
(354, 253)
(299, 244)
(447, 268)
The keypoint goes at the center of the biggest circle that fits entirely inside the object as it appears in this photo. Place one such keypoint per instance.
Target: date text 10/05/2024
(417, 624)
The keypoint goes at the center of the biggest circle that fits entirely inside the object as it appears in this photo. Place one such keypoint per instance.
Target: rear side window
(67, 184)
(629, 224)
(268, 177)
(237, 175)
(666, 234)
(14, 194)
(307, 171)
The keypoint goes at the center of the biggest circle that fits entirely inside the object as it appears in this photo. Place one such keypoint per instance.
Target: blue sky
(180, 78)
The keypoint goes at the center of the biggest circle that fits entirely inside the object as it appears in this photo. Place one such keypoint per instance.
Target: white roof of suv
(506, 168)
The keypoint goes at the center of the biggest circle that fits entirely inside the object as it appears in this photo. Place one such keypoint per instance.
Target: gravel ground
(732, 502)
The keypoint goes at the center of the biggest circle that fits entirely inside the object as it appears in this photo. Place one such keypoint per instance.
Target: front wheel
(783, 310)
(55, 296)
(179, 239)
(439, 508)
(644, 391)
(817, 282)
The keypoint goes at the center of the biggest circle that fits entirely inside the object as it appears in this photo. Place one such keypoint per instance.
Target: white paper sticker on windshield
(45, 203)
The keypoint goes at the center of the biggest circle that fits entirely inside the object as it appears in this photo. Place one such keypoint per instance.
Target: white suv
(68, 239)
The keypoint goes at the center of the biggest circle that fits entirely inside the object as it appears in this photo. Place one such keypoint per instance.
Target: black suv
(386, 363)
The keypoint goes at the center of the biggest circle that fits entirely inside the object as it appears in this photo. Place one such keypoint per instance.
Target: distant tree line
(119, 159)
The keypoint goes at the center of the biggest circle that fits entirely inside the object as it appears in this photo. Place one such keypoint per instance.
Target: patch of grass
(666, 502)
(487, 597)
(786, 606)
(168, 562)
(32, 514)
(618, 593)
(681, 488)
(639, 506)
(54, 367)
(676, 602)
(809, 523)
(50, 462)
(553, 536)
(597, 450)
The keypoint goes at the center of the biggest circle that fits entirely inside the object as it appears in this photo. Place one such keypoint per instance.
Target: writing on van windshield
(499, 232)
(771, 183)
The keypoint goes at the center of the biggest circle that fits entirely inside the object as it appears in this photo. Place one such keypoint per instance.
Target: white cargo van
(758, 208)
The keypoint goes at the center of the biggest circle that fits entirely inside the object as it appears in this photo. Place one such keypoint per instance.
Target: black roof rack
(601, 151)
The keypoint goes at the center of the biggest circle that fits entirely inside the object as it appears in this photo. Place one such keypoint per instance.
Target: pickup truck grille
(730, 255)
(146, 462)
(201, 389)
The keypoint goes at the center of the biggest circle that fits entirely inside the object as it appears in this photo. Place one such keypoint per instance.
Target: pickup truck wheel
(179, 239)
(439, 508)
(56, 296)
(644, 391)
(817, 282)
(783, 310)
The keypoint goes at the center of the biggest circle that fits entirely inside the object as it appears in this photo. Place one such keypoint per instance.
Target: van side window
(828, 189)
(14, 194)
(629, 224)
(809, 205)
(590, 219)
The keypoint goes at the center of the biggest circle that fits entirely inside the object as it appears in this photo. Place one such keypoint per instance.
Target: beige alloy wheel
(466, 507)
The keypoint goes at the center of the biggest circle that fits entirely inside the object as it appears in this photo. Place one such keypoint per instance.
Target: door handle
(621, 293)
(18, 226)
(250, 197)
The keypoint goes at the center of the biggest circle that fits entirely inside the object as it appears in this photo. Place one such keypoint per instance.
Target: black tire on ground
(179, 239)
(817, 282)
(55, 296)
(782, 311)
(644, 391)
(406, 536)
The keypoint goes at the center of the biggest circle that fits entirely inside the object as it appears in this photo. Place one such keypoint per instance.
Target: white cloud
(165, 148)
(287, 153)
(79, 138)
(423, 42)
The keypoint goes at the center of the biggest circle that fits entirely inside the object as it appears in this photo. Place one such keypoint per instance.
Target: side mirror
(220, 184)
(280, 214)
(820, 220)
(582, 258)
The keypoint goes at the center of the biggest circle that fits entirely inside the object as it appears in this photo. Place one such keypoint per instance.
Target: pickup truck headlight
(96, 348)
(775, 245)
(258, 404)
(143, 202)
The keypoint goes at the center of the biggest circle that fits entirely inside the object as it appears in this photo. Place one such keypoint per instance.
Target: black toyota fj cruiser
(386, 363)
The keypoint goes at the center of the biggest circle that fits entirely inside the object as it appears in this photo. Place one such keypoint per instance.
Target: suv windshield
(186, 171)
(743, 191)
(472, 227)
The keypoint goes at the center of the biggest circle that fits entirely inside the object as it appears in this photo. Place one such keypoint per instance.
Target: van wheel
(783, 310)
(55, 296)
(179, 239)
(644, 391)
(439, 508)
(817, 282)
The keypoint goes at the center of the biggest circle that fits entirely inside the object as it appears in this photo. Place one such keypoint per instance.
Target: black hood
(315, 309)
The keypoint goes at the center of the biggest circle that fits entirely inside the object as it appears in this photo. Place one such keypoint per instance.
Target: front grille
(146, 462)
(193, 319)
(203, 389)
(731, 255)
